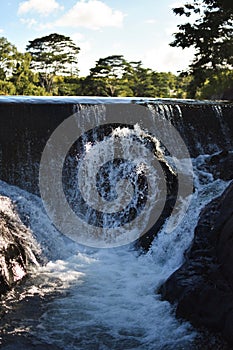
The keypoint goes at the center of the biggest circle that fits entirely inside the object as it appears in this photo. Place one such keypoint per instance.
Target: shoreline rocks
(202, 288)
(18, 248)
(219, 164)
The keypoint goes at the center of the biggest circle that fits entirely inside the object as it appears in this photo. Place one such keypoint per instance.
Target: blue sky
(139, 30)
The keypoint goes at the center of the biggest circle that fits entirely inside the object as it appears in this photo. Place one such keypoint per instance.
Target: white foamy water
(104, 184)
(107, 297)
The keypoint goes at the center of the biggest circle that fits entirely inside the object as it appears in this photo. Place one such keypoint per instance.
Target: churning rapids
(101, 298)
(106, 298)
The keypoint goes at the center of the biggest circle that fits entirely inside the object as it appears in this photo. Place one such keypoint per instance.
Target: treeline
(49, 65)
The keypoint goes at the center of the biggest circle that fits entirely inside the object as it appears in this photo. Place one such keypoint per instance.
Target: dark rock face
(146, 240)
(220, 165)
(18, 249)
(203, 286)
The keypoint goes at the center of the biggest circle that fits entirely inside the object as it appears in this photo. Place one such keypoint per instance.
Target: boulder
(220, 165)
(171, 178)
(18, 249)
(202, 288)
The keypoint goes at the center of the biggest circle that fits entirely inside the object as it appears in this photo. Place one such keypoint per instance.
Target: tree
(53, 55)
(164, 84)
(210, 32)
(8, 56)
(217, 86)
(7, 88)
(24, 79)
(140, 80)
(68, 86)
(114, 76)
(106, 78)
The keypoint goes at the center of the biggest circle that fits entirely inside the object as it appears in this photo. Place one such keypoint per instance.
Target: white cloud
(168, 59)
(150, 21)
(43, 7)
(85, 56)
(76, 37)
(1, 30)
(85, 47)
(93, 14)
(175, 4)
(29, 22)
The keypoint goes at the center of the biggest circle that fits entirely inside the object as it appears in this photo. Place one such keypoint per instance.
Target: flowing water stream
(106, 297)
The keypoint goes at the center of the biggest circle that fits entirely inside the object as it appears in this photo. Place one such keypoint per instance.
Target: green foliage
(53, 55)
(210, 32)
(8, 55)
(216, 84)
(107, 77)
(15, 74)
(182, 85)
(115, 76)
(67, 86)
(49, 67)
(7, 88)
(164, 84)
(140, 80)
(24, 80)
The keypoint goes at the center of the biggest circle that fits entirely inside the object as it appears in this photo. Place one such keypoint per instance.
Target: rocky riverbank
(202, 288)
(18, 248)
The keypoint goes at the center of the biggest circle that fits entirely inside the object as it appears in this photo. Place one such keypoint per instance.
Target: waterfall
(104, 298)
(27, 124)
(89, 178)
(105, 180)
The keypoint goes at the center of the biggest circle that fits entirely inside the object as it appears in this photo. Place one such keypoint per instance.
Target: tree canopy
(115, 76)
(8, 57)
(49, 67)
(107, 77)
(210, 31)
(53, 55)
(16, 77)
(50, 64)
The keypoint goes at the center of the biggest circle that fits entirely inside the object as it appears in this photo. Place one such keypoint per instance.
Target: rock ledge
(202, 288)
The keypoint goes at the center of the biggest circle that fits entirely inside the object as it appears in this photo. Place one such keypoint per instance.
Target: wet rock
(202, 288)
(18, 249)
(220, 165)
(171, 178)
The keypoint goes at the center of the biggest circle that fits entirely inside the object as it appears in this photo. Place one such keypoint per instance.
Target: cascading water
(115, 177)
(105, 298)
(118, 179)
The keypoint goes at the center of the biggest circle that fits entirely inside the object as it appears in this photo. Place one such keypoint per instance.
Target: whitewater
(105, 299)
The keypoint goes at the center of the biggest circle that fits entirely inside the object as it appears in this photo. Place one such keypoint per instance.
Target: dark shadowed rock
(18, 249)
(220, 165)
(202, 287)
(171, 177)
